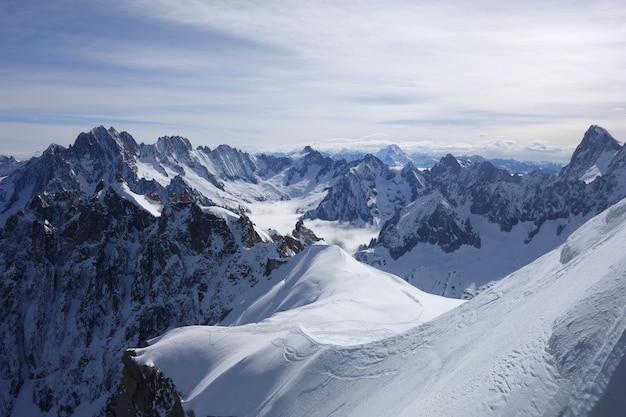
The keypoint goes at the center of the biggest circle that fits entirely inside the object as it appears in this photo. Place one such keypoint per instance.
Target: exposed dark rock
(441, 227)
(146, 392)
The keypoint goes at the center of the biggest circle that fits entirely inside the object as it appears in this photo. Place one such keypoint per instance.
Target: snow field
(321, 298)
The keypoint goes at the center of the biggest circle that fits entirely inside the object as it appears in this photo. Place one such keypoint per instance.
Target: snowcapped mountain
(109, 243)
(392, 155)
(474, 223)
(83, 280)
(519, 167)
(548, 340)
(223, 176)
(368, 192)
(592, 157)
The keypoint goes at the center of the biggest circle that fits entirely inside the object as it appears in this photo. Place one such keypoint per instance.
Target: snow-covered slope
(337, 299)
(322, 297)
(548, 340)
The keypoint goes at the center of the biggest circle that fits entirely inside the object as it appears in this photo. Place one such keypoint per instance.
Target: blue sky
(507, 79)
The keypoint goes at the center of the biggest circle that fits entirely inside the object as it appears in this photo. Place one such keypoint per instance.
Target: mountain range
(547, 340)
(393, 155)
(108, 244)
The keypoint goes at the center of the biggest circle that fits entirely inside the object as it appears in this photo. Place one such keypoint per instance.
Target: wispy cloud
(281, 72)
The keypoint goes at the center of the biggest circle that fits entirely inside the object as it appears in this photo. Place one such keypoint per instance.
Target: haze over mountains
(109, 243)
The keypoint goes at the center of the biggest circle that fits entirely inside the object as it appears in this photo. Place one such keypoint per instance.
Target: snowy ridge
(338, 300)
(545, 341)
(223, 176)
(395, 156)
(323, 298)
(153, 207)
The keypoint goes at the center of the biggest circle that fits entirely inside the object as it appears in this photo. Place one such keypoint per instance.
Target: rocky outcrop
(145, 392)
(432, 221)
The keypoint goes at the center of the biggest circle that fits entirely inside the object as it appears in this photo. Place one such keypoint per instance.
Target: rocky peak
(8, 164)
(619, 160)
(414, 178)
(434, 221)
(592, 156)
(101, 141)
(312, 164)
(174, 146)
(233, 164)
(102, 154)
(146, 391)
(392, 155)
(313, 157)
(372, 159)
(486, 171)
(447, 166)
(369, 192)
(370, 166)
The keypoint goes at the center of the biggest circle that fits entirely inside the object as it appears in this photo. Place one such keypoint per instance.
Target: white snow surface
(469, 270)
(544, 341)
(339, 300)
(151, 206)
(321, 297)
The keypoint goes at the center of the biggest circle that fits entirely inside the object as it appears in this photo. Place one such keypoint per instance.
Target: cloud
(278, 72)
(541, 146)
(500, 147)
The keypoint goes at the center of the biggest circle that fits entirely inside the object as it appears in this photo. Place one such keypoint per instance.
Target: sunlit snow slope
(323, 298)
(549, 340)
(338, 300)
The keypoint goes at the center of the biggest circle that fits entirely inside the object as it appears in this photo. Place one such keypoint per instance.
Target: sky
(497, 78)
